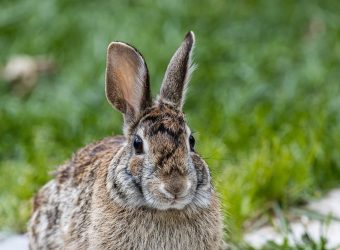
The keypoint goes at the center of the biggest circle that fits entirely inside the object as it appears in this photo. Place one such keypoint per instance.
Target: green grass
(290, 239)
(265, 99)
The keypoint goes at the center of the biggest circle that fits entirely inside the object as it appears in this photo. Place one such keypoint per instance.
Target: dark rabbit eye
(138, 144)
(192, 142)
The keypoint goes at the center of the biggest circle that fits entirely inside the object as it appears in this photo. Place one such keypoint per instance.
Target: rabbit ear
(178, 73)
(127, 81)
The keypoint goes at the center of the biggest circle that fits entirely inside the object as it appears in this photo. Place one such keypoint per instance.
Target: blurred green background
(265, 99)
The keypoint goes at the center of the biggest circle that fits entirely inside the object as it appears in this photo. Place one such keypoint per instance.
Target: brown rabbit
(148, 189)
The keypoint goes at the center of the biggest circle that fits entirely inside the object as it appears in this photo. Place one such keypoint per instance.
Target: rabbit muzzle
(176, 188)
(171, 191)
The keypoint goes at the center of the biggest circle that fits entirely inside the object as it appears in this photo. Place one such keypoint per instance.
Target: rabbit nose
(175, 189)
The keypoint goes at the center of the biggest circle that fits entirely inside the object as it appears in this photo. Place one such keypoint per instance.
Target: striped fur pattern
(117, 194)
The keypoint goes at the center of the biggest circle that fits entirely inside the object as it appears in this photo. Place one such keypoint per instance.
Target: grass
(265, 99)
(306, 243)
(292, 240)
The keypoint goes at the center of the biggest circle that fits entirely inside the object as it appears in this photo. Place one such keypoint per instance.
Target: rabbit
(147, 189)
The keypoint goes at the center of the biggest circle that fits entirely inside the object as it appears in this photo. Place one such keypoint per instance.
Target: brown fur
(178, 73)
(101, 224)
(111, 195)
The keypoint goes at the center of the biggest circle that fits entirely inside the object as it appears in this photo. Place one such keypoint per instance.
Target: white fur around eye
(188, 131)
(140, 133)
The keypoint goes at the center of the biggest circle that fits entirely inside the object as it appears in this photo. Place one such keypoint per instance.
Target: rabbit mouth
(164, 203)
(179, 203)
(163, 198)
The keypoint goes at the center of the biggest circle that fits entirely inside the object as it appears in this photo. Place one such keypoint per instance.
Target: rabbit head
(158, 166)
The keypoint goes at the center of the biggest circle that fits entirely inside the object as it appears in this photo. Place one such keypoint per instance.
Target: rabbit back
(61, 209)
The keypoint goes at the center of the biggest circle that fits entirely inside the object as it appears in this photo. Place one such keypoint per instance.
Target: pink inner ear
(128, 71)
(126, 78)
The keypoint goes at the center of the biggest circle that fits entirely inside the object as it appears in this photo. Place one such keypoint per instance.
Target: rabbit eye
(192, 142)
(138, 144)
